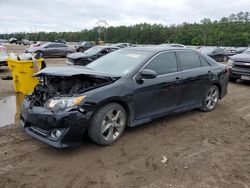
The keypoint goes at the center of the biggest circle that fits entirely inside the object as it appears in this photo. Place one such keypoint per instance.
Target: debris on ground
(164, 159)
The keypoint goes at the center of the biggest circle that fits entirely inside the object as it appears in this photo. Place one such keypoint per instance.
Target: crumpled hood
(71, 71)
(78, 55)
(245, 57)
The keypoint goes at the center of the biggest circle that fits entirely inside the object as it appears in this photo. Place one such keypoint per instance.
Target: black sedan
(128, 87)
(84, 58)
(217, 53)
(83, 46)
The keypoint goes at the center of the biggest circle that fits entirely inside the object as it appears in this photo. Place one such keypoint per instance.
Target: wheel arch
(218, 85)
(124, 103)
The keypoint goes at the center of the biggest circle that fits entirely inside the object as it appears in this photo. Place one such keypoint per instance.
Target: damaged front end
(55, 112)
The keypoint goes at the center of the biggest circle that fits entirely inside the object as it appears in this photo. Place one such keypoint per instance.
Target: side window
(163, 63)
(55, 45)
(189, 60)
(60, 45)
(50, 46)
(204, 63)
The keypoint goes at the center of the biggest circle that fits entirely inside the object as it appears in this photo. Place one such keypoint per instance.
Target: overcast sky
(75, 15)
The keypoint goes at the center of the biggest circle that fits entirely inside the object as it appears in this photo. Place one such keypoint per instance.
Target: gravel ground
(202, 150)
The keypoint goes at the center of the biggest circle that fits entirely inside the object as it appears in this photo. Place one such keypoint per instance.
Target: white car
(3, 56)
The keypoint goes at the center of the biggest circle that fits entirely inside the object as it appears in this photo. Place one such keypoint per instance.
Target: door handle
(209, 72)
(177, 79)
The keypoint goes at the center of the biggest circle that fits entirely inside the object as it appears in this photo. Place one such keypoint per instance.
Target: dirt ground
(202, 150)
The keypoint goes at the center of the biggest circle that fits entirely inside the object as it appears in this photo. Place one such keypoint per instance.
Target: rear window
(204, 63)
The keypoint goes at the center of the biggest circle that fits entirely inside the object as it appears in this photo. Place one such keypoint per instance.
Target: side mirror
(148, 74)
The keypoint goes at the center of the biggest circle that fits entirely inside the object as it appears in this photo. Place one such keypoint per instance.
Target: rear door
(161, 94)
(196, 73)
(61, 49)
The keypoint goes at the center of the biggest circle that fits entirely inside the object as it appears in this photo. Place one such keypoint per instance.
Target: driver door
(161, 94)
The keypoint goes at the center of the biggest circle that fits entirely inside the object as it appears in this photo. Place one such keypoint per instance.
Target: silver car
(52, 49)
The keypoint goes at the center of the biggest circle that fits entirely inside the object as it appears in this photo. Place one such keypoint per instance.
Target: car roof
(156, 49)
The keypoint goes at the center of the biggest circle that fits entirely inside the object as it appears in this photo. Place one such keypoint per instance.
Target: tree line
(228, 31)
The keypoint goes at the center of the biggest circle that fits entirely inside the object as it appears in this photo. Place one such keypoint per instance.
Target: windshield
(120, 62)
(93, 50)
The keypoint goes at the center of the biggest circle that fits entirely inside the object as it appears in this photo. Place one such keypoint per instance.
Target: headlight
(64, 103)
(230, 63)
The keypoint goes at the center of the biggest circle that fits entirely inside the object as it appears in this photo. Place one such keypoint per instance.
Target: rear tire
(108, 124)
(210, 99)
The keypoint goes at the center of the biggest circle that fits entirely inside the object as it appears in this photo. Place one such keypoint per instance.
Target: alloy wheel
(113, 124)
(212, 98)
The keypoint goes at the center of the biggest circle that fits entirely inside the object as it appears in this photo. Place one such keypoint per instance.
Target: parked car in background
(61, 41)
(83, 46)
(52, 49)
(3, 41)
(217, 53)
(13, 40)
(230, 51)
(233, 51)
(23, 42)
(239, 66)
(3, 56)
(84, 58)
(128, 87)
(240, 49)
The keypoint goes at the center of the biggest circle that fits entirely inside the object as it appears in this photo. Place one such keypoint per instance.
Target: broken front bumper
(62, 129)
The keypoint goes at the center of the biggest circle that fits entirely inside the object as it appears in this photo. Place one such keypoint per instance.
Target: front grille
(242, 65)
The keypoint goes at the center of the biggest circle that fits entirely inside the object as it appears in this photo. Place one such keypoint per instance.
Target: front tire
(108, 124)
(39, 53)
(210, 99)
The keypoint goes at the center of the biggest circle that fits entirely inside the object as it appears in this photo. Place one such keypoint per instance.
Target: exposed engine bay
(58, 86)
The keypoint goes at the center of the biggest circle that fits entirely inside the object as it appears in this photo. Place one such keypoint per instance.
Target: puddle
(10, 109)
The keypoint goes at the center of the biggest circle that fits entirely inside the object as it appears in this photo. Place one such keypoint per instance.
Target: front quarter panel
(119, 91)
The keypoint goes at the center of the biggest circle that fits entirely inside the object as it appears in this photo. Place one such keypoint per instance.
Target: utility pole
(100, 24)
